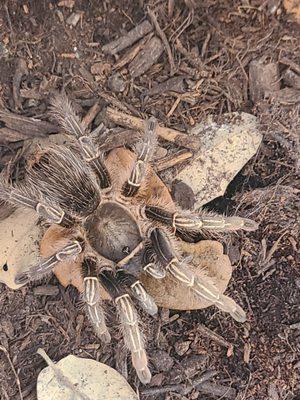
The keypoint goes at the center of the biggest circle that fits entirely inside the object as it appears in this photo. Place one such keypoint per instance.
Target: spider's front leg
(67, 253)
(189, 224)
(92, 298)
(64, 113)
(145, 150)
(137, 290)
(130, 323)
(204, 287)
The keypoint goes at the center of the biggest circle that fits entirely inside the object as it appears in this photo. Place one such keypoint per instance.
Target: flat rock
(225, 147)
(19, 243)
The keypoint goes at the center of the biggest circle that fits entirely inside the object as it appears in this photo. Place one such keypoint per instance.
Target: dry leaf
(19, 243)
(293, 7)
(225, 148)
(74, 378)
(207, 255)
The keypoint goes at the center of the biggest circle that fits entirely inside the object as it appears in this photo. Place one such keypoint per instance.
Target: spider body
(114, 229)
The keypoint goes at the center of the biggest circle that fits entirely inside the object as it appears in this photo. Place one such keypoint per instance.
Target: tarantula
(117, 232)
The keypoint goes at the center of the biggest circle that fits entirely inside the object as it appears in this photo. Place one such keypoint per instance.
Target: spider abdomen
(113, 231)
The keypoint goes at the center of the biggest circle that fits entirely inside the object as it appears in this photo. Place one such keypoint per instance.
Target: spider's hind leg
(144, 150)
(202, 287)
(137, 290)
(64, 113)
(130, 323)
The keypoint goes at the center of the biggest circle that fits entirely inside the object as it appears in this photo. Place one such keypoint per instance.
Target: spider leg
(204, 287)
(150, 264)
(137, 290)
(27, 197)
(67, 253)
(189, 224)
(145, 151)
(64, 113)
(130, 323)
(92, 298)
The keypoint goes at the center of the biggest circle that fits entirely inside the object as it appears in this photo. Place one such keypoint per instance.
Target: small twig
(172, 160)
(21, 70)
(164, 39)
(180, 388)
(3, 349)
(214, 336)
(171, 135)
(9, 23)
(191, 58)
(90, 115)
(290, 63)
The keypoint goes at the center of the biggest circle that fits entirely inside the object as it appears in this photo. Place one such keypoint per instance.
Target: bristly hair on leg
(65, 115)
(63, 177)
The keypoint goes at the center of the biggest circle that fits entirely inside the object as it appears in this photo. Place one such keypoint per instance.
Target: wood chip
(127, 40)
(21, 70)
(30, 127)
(290, 78)
(146, 58)
(263, 79)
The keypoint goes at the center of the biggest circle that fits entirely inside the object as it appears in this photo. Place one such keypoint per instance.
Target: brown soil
(264, 362)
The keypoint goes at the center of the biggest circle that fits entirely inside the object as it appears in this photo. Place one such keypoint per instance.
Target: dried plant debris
(264, 79)
(128, 39)
(147, 57)
(81, 379)
(19, 243)
(225, 147)
(293, 8)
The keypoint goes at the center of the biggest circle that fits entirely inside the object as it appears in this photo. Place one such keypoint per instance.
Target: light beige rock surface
(19, 244)
(225, 148)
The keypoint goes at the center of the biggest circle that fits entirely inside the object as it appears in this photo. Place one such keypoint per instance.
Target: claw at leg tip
(144, 375)
(21, 278)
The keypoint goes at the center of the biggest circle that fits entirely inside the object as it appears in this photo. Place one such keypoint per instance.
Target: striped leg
(137, 290)
(67, 253)
(204, 287)
(27, 197)
(145, 151)
(64, 113)
(92, 298)
(190, 225)
(130, 324)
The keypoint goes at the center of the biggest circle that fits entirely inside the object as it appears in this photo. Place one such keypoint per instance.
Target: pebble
(162, 361)
(183, 195)
(116, 83)
(182, 347)
(74, 18)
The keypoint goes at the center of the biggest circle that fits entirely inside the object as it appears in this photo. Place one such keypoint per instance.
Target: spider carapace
(117, 232)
